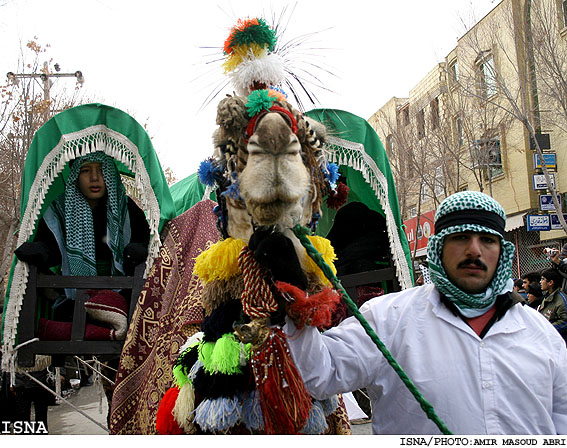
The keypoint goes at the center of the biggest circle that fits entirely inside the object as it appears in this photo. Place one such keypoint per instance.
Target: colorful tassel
(258, 101)
(218, 415)
(248, 32)
(183, 409)
(316, 423)
(315, 310)
(165, 422)
(326, 250)
(330, 405)
(338, 198)
(285, 401)
(220, 261)
(252, 412)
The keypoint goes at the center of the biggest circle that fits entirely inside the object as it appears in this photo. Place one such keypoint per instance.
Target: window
(454, 72)
(487, 74)
(413, 211)
(459, 138)
(421, 124)
(434, 107)
(486, 155)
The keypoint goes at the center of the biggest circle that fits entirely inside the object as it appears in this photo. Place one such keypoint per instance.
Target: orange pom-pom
(316, 310)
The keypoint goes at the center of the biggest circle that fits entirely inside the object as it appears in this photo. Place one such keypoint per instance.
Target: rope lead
(301, 233)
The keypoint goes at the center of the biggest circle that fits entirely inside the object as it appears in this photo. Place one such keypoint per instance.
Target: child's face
(91, 182)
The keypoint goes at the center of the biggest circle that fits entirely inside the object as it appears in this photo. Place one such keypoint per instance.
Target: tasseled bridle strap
(257, 298)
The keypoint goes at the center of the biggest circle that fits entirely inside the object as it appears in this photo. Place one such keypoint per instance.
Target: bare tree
(499, 75)
(24, 107)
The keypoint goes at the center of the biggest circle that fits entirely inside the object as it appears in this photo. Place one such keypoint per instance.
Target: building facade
(484, 119)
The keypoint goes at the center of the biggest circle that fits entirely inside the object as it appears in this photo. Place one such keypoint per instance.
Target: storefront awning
(513, 222)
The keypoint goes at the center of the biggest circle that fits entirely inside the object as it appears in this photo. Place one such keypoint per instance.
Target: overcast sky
(146, 57)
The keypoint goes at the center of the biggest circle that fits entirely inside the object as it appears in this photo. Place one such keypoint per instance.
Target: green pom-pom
(179, 377)
(258, 101)
(250, 33)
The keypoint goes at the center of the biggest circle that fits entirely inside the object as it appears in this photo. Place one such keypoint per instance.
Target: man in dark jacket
(554, 304)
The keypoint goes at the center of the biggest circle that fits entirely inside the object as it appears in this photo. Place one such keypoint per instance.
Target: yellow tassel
(220, 261)
(241, 52)
(324, 247)
(183, 409)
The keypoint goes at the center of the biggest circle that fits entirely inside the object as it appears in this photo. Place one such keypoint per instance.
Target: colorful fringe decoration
(218, 415)
(315, 310)
(252, 411)
(183, 410)
(224, 355)
(220, 261)
(285, 401)
(317, 422)
(165, 421)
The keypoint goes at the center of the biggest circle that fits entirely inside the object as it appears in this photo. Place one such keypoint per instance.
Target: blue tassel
(316, 423)
(218, 415)
(208, 172)
(330, 405)
(233, 190)
(332, 173)
(252, 416)
(193, 372)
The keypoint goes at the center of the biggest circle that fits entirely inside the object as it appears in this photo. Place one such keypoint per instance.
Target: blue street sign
(538, 222)
(554, 220)
(546, 202)
(549, 158)
(540, 183)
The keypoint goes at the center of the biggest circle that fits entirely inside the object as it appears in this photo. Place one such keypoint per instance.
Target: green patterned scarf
(470, 305)
(75, 213)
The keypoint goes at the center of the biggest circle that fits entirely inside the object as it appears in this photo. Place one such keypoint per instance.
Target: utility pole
(45, 78)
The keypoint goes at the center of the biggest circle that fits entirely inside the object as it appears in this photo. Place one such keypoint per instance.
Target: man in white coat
(486, 364)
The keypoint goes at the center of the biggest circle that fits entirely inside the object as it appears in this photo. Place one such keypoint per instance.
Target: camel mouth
(269, 213)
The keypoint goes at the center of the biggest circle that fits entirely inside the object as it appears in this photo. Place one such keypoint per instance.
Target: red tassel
(337, 199)
(283, 396)
(165, 422)
(316, 310)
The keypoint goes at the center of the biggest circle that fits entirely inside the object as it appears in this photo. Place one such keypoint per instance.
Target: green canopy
(356, 148)
(187, 192)
(68, 135)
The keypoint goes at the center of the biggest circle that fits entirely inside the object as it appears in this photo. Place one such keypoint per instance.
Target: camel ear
(319, 129)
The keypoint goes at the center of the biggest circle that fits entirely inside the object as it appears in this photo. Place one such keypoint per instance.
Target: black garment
(26, 391)
(139, 230)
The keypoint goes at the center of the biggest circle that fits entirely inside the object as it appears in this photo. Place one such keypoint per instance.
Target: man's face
(525, 283)
(91, 182)
(546, 285)
(470, 260)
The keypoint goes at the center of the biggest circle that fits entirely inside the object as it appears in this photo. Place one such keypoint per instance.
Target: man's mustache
(475, 262)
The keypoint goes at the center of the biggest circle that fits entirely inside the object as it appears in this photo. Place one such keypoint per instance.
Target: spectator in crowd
(529, 278)
(519, 288)
(535, 295)
(479, 357)
(554, 303)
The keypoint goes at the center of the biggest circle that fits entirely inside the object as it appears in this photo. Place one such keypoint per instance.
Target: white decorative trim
(72, 146)
(353, 155)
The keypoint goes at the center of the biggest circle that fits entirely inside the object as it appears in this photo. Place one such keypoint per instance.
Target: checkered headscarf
(470, 211)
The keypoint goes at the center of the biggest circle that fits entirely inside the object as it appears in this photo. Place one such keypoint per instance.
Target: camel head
(272, 164)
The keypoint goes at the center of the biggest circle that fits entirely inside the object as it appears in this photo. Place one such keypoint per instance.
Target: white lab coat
(513, 381)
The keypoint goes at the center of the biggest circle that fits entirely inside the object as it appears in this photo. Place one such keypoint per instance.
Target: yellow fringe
(220, 261)
(324, 247)
(241, 52)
